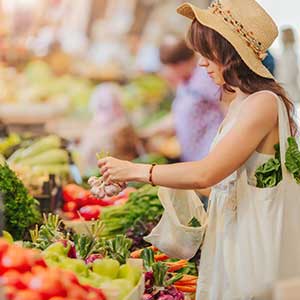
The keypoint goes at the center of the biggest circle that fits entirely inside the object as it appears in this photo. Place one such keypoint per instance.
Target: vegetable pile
(20, 209)
(43, 156)
(24, 275)
(164, 278)
(80, 202)
(95, 261)
(142, 206)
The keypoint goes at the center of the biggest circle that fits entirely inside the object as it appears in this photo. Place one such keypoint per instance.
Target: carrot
(187, 277)
(186, 288)
(175, 266)
(137, 253)
(161, 257)
(186, 283)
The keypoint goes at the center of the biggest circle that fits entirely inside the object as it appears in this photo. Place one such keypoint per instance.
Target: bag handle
(284, 134)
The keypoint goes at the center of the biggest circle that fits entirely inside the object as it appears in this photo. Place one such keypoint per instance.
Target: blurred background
(90, 72)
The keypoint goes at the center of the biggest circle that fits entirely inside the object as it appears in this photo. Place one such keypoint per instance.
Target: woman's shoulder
(261, 105)
(262, 100)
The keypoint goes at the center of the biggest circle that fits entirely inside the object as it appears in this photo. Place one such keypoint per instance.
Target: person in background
(288, 70)
(196, 111)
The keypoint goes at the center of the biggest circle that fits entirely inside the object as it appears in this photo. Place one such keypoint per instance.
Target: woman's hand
(116, 170)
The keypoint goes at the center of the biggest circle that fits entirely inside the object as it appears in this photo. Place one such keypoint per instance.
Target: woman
(251, 238)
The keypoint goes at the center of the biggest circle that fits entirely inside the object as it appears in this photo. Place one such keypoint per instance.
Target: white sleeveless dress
(217, 258)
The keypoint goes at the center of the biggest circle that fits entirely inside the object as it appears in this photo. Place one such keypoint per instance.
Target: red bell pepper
(90, 212)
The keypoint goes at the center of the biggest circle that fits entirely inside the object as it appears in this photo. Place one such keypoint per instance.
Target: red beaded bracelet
(150, 174)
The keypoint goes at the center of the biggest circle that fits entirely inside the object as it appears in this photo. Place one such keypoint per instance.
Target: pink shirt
(197, 114)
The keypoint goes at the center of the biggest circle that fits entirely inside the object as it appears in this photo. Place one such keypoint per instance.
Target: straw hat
(244, 23)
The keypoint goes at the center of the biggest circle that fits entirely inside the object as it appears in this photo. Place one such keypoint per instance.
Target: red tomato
(70, 278)
(34, 258)
(48, 284)
(27, 294)
(73, 192)
(70, 206)
(103, 202)
(77, 292)
(12, 278)
(10, 292)
(94, 293)
(90, 212)
(26, 277)
(59, 298)
(14, 259)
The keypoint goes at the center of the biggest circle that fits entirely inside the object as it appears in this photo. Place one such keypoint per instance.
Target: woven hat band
(217, 8)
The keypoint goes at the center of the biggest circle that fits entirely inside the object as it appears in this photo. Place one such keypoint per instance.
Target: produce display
(109, 258)
(35, 159)
(25, 275)
(144, 90)
(95, 262)
(142, 206)
(49, 95)
(166, 278)
(79, 202)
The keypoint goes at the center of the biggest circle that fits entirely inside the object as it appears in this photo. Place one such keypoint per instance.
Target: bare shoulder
(261, 106)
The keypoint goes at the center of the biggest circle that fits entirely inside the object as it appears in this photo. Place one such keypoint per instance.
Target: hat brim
(205, 17)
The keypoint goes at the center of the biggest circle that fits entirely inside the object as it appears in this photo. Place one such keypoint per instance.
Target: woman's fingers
(102, 162)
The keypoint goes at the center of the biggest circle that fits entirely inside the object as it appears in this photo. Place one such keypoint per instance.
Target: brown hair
(236, 73)
(175, 50)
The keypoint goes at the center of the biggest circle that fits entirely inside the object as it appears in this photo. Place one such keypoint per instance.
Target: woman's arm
(257, 118)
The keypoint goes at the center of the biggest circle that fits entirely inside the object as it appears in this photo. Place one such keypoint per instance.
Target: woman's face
(213, 70)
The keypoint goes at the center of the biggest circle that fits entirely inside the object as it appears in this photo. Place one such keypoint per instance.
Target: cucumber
(51, 169)
(54, 156)
(41, 145)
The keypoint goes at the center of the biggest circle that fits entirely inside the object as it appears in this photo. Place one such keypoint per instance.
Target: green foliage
(269, 174)
(20, 209)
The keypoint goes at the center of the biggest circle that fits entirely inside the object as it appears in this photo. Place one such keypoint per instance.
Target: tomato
(14, 258)
(70, 206)
(90, 212)
(12, 278)
(77, 292)
(34, 258)
(94, 293)
(73, 192)
(48, 283)
(9, 292)
(70, 278)
(98, 201)
(27, 294)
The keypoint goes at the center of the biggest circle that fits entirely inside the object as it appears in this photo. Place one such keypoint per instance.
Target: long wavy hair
(213, 46)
